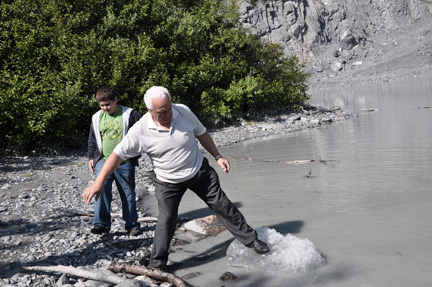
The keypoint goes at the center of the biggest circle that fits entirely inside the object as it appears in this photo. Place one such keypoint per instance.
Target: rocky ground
(45, 222)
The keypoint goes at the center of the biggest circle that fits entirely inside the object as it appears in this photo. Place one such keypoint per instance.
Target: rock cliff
(347, 40)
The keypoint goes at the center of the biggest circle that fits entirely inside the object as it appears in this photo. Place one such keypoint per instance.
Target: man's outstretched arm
(207, 142)
(110, 165)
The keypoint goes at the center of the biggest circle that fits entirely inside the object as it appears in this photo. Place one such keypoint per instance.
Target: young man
(167, 134)
(109, 125)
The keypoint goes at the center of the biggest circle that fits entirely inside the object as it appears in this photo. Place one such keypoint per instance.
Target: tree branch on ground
(150, 272)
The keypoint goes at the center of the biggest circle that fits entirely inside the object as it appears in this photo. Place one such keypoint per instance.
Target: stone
(208, 225)
(228, 276)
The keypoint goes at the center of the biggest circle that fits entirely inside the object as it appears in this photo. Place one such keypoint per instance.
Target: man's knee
(223, 207)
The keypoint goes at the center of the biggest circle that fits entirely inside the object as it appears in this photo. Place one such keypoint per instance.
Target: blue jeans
(124, 177)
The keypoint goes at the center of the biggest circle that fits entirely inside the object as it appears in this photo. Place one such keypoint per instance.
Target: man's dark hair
(106, 93)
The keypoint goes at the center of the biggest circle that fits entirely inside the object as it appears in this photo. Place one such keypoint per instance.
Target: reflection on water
(380, 157)
(369, 206)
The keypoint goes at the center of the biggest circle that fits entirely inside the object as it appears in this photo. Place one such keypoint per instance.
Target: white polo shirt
(175, 153)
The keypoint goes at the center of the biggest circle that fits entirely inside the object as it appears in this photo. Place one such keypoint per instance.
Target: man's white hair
(155, 92)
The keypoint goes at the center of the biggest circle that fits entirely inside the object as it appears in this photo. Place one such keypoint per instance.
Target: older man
(167, 134)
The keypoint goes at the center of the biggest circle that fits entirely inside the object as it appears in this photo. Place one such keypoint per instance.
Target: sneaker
(259, 246)
(99, 230)
(135, 231)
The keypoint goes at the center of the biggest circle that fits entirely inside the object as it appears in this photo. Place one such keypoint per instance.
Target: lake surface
(367, 207)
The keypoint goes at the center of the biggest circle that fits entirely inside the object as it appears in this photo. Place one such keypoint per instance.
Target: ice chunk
(288, 254)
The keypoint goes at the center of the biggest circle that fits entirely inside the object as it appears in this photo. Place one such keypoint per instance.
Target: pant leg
(207, 187)
(168, 198)
(124, 177)
(102, 207)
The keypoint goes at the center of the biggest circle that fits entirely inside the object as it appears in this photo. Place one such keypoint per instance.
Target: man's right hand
(92, 190)
(110, 165)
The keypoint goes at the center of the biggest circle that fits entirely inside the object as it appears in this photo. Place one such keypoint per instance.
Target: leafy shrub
(57, 53)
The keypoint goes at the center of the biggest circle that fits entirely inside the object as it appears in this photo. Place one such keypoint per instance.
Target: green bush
(56, 53)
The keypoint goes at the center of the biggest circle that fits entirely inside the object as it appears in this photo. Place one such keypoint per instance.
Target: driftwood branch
(146, 219)
(283, 162)
(370, 110)
(70, 270)
(150, 272)
(425, 107)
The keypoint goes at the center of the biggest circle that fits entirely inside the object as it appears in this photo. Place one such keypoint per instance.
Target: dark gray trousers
(206, 185)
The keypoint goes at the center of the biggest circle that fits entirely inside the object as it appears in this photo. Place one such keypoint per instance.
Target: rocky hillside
(346, 42)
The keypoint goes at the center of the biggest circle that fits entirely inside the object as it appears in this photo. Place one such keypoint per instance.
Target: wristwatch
(218, 157)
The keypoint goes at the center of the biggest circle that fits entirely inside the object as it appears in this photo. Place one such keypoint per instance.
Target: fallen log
(70, 270)
(425, 107)
(150, 272)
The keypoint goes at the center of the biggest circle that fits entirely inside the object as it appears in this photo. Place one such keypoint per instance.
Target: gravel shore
(45, 222)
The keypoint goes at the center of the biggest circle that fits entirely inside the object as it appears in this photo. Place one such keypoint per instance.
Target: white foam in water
(288, 254)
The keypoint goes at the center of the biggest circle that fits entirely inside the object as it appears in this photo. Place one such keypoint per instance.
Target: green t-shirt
(111, 129)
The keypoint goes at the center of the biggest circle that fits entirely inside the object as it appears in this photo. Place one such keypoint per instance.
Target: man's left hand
(224, 164)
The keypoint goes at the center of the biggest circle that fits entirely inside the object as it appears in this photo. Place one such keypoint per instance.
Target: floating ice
(288, 254)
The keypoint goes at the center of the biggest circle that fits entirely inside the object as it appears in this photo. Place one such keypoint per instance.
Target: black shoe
(145, 261)
(259, 246)
(99, 230)
(161, 267)
(135, 231)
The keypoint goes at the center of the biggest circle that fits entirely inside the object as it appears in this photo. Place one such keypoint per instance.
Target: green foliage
(56, 53)
(276, 83)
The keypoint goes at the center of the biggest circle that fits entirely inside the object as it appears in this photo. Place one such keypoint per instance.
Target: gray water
(367, 205)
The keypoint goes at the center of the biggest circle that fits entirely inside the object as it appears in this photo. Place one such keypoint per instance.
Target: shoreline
(45, 222)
